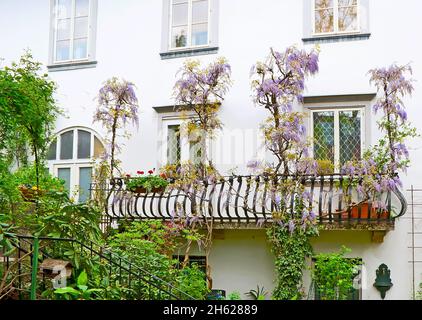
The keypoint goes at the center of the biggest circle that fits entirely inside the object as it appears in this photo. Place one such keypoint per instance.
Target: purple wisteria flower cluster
(202, 91)
(277, 84)
(117, 101)
(378, 171)
(117, 106)
(280, 80)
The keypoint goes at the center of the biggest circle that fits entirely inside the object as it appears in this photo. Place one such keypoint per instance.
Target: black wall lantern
(383, 281)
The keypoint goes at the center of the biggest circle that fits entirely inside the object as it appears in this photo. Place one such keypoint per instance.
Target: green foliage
(235, 295)
(79, 291)
(325, 167)
(290, 250)
(258, 294)
(192, 281)
(28, 111)
(149, 245)
(333, 275)
(148, 182)
(6, 232)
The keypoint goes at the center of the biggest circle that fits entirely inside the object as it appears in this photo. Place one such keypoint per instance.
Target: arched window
(71, 158)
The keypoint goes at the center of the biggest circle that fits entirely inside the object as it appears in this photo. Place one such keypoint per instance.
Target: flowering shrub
(379, 168)
(277, 84)
(117, 105)
(202, 91)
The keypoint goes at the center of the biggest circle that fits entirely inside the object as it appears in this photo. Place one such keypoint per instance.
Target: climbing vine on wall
(291, 251)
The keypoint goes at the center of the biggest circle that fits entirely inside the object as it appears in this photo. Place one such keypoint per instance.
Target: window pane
(195, 152)
(81, 8)
(324, 135)
(64, 174)
(173, 144)
(81, 27)
(346, 3)
(85, 177)
(200, 11)
(347, 19)
(180, 14)
(66, 146)
(62, 50)
(350, 136)
(324, 21)
(98, 148)
(199, 34)
(323, 4)
(84, 144)
(178, 38)
(64, 9)
(63, 29)
(80, 49)
(52, 151)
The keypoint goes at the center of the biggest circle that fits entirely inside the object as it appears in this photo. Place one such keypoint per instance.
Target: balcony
(247, 202)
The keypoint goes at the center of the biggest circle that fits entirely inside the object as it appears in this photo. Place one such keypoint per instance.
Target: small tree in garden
(277, 84)
(117, 105)
(28, 111)
(202, 92)
(381, 164)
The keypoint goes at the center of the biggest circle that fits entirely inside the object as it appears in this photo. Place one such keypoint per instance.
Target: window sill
(71, 65)
(336, 38)
(188, 52)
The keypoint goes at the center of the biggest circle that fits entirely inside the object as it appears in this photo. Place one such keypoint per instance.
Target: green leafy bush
(235, 295)
(192, 281)
(333, 275)
(78, 291)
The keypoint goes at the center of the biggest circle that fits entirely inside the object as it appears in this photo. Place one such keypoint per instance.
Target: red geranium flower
(128, 175)
(139, 172)
(150, 172)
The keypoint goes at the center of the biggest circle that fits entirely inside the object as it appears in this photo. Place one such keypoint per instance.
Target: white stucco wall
(128, 45)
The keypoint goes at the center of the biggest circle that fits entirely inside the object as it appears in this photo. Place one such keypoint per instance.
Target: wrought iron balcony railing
(249, 199)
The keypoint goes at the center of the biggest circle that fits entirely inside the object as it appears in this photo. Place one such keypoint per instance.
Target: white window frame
(336, 111)
(184, 139)
(89, 60)
(189, 31)
(336, 30)
(73, 164)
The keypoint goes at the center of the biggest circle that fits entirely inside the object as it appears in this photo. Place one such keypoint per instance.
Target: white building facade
(85, 42)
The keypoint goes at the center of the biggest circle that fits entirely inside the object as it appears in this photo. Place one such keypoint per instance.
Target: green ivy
(291, 251)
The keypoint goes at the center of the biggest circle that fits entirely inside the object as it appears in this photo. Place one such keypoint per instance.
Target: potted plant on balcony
(147, 183)
(370, 183)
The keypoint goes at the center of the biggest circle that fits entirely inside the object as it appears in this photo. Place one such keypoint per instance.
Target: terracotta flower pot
(374, 214)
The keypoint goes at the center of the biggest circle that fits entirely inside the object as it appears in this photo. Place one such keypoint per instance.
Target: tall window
(178, 146)
(336, 16)
(338, 135)
(189, 23)
(72, 30)
(71, 156)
